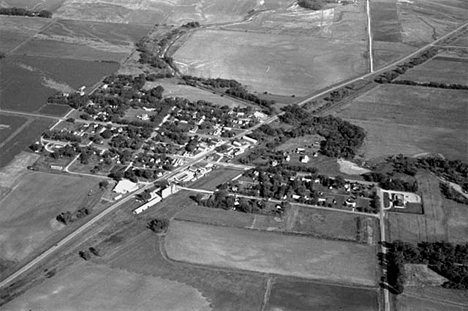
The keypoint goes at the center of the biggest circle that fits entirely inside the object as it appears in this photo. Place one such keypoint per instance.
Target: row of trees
(389, 183)
(69, 217)
(25, 12)
(311, 4)
(454, 86)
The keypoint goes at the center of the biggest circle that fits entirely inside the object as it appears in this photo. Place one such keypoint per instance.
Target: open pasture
(194, 94)
(279, 64)
(305, 296)
(9, 124)
(411, 120)
(43, 77)
(439, 69)
(14, 30)
(385, 24)
(27, 213)
(89, 286)
(267, 252)
(22, 140)
(224, 290)
(85, 40)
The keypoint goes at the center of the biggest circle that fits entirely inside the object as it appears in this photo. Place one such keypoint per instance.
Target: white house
(304, 159)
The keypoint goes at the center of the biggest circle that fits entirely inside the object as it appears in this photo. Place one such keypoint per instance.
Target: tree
(95, 251)
(158, 225)
(86, 255)
(103, 184)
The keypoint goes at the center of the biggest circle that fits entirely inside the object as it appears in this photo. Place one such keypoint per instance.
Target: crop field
(440, 69)
(279, 64)
(98, 287)
(332, 224)
(215, 178)
(15, 30)
(462, 41)
(407, 303)
(50, 5)
(85, 40)
(194, 94)
(385, 23)
(411, 120)
(305, 296)
(225, 290)
(441, 294)
(28, 212)
(9, 125)
(9, 149)
(43, 77)
(55, 110)
(457, 221)
(432, 226)
(266, 252)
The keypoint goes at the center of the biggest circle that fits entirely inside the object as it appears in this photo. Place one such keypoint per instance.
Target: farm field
(50, 5)
(85, 40)
(441, 294)
(44, 77)
(303, 257)
(9, 149)
(216, 216)
(215, 178)
(225, 290)
(385, 23)
(15, 29)
(9, 125)
(98, 287)
(406, 303)
(303, 296)
(193, 94)
(440, 69)
(411, 120)
(441, 219)
(28, 211)
(279, 64)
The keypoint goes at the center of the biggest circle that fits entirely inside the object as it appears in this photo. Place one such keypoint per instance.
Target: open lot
(303, 296)
(43, 77)
(440, 69)
(411, 120)
(215, 178)
(194, 94)
(271, 253)
(216, 216)
(22, 139)
(433, 225)
(28, 211)
(225, 290)
(98, 287)
(16, 29)
(279, 64)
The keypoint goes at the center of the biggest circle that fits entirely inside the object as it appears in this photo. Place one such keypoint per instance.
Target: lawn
(43, 77)
(22, 140)
(304, 296)
(194, 94)
(279, 64)
(28, 212)
(439, 69)
(267, 252)
(225, 290)
(411, 120)
(98, 287)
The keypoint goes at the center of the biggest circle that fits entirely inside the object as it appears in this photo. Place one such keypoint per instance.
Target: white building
(250, 140)
(147, 205)
(304, 159)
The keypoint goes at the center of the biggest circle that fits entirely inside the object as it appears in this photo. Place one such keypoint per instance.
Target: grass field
(279, 64)
(442, 70)
(411, 120)
(85, 40)
(43, 77)
(385, 23)
(9, 149)
(432, 226)
(9, 124)
(407, 303)
(98, 287)
(215, 178)
(28, 212)
(224, 290)
(193, 94)
(271, 253)
(216, 216)
(15, 30)
(303, 296)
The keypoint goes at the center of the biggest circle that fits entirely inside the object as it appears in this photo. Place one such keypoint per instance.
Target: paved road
(383, 248)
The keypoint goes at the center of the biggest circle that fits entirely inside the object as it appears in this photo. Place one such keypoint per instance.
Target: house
(300, 150)
(125, 186)
(304, 159)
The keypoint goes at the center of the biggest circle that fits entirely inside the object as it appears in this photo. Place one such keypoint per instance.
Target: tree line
(25, 12)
